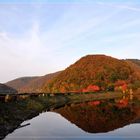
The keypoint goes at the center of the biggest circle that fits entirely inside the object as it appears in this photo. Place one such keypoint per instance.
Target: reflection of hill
(95, 119)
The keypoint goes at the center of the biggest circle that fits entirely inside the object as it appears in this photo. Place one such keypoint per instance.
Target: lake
(89, 120)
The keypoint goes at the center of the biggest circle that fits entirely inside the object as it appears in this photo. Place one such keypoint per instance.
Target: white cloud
(80, 29)
(22, 56)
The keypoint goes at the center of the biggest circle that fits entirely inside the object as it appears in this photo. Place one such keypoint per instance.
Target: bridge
(5, 97)
(102, 94)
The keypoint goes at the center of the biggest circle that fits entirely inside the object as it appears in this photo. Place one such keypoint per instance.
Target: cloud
(39, 39)
(24, 55)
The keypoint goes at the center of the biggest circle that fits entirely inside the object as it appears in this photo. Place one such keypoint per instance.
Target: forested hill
(100, 70)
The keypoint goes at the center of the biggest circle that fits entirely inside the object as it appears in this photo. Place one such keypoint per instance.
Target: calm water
(81, 121)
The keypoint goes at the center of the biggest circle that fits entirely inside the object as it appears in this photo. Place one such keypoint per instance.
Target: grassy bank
(94, 96)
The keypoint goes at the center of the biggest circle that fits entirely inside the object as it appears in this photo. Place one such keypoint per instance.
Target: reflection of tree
(12, 114)
(92, 117)
(95, 119)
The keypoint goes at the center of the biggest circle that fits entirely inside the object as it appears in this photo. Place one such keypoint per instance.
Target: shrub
(110, 87)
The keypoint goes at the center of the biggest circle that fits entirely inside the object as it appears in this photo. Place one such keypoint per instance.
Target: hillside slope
(98, 70)
(31, 84)
(20, 82)
(134, 66)
(135, 61)
(6, 89)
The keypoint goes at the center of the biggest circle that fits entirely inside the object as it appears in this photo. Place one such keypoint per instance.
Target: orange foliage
(124, 87)
(121, 84)
(94, 103)
(122, 103)
(91, 88)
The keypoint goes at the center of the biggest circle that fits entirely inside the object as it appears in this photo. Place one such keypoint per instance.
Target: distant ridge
(20, 82)
(6, 89)
(135, 61)
(31, 84)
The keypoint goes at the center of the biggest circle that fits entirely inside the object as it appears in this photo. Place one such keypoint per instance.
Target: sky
(38, 37)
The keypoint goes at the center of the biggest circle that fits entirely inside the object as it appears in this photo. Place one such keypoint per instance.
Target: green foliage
(110, 87)
(135, 85)
(34, 105)
(100, 76)
(114, 77)
(101, 84)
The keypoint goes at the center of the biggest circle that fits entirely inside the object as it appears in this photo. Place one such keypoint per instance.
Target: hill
(31, 84)
(98, 70)
(6, 89)
(135, 61)
(134, 65)
(19, 83)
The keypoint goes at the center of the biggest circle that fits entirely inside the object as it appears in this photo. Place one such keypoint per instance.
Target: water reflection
(96, 119)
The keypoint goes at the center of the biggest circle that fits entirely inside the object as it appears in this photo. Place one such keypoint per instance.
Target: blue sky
(43, 36)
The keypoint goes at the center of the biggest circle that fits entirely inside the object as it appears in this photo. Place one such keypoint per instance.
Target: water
(82, 121)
